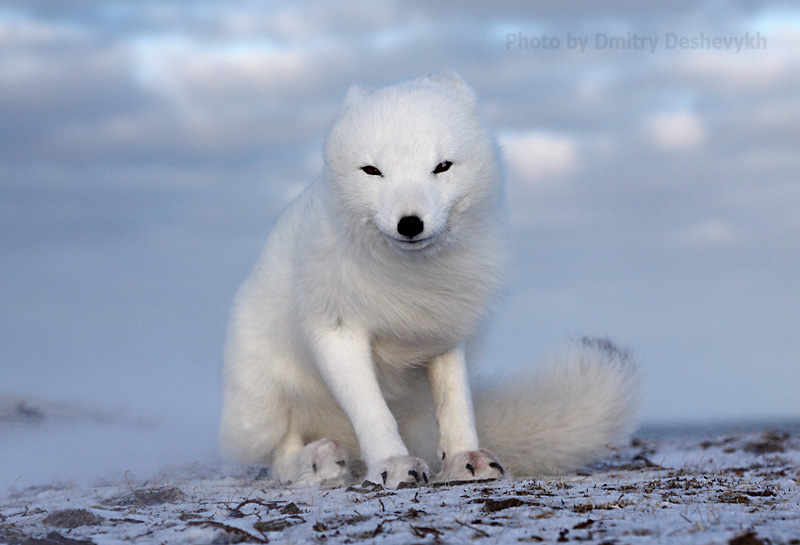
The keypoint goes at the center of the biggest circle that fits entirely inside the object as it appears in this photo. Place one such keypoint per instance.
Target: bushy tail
(550, 423)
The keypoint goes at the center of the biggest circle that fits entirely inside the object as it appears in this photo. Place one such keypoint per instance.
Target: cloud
(713, 232)
(231, 71)
(536, 155)
(750, 71)
(17, 30)
(676, 131)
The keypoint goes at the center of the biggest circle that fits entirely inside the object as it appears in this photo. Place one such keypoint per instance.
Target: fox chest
(411, 312)
(410, 328)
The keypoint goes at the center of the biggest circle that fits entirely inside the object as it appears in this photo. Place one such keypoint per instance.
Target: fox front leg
(462, 459)
(344, 359)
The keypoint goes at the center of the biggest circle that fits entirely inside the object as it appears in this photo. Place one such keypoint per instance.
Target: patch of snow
(722, 488)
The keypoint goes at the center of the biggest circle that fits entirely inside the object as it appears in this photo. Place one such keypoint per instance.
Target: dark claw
(443, 455)
(342, 463)
(498, 467)
(471, 469)
(413, 473)
(314, 467)
(384, 475)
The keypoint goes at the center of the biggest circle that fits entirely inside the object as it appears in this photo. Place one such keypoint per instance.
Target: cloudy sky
(651, 154)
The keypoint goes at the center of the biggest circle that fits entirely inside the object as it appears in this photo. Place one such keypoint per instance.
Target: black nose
(410, 226)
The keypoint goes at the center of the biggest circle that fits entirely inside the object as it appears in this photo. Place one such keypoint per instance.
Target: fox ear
(355, 94)
(454, 82)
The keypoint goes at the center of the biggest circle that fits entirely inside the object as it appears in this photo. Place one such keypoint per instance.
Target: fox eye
(444, 166)
(372, 171)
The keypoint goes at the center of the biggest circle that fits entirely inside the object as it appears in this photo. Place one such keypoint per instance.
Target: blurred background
(147, 146)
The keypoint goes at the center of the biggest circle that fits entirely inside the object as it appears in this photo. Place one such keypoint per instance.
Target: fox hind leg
(321, 462)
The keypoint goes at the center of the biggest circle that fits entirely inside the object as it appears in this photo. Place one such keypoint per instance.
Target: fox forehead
(416, 137)
(415, 123)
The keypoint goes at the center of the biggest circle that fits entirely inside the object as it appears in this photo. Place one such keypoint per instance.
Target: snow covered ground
(672, 486)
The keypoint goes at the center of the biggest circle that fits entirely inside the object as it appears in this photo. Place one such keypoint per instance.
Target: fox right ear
(355, 94)
(454, 82)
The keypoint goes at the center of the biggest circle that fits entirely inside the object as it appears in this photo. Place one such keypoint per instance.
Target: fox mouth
(412, 244)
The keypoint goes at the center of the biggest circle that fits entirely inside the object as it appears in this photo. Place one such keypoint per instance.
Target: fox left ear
(454, 82)
(355, 94)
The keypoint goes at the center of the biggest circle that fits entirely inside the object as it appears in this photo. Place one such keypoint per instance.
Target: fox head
(411, 167)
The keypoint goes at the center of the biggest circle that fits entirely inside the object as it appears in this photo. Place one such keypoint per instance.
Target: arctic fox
(348, 340)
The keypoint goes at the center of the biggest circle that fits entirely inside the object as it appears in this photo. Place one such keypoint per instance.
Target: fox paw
(322, 462)
(471, 466)
(395, 471)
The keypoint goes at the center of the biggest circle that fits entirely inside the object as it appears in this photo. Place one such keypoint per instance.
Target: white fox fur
(347, 341)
